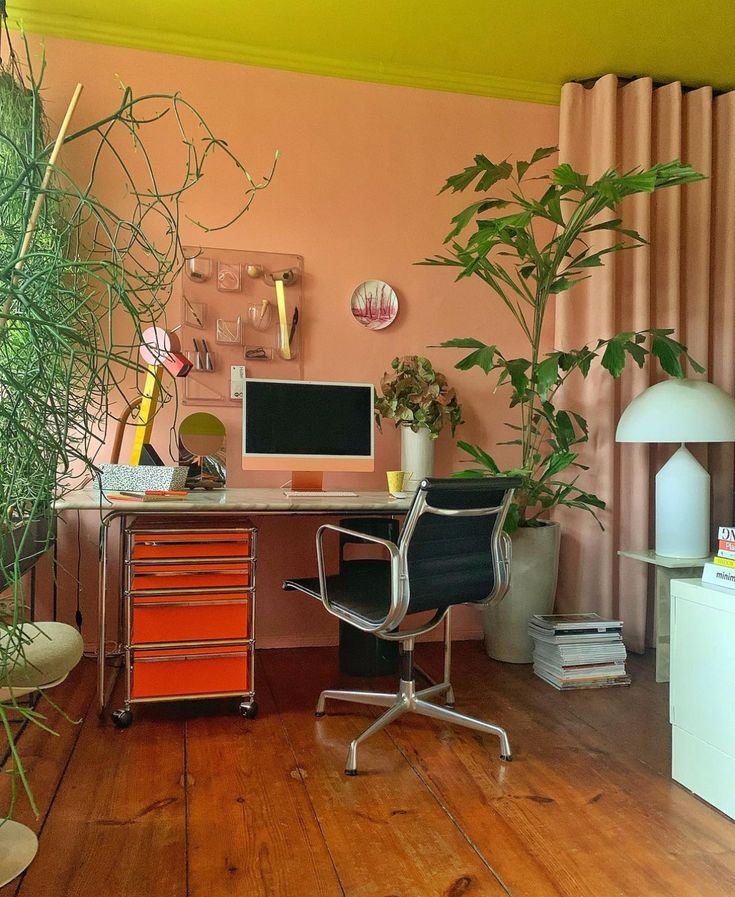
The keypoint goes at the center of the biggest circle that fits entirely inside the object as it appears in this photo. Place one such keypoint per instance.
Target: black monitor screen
(295, 418)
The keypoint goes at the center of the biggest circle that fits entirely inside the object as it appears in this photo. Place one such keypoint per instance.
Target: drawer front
(200, 620)
(182, 545)
(190, 671)
(191, 576)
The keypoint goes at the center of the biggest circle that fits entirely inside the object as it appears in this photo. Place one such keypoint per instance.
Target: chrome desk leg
(101, 616)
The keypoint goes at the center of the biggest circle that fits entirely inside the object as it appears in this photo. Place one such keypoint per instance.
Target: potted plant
(421, 402)
(79, 282)
(527, 246)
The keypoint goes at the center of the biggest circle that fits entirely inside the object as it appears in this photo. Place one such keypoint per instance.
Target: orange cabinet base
(190, 671)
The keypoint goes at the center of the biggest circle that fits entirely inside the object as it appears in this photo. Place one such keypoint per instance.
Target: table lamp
(681, 411)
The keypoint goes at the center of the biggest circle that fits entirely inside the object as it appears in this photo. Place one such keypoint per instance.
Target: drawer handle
(190, 590)
(174, 657)
(191, 603)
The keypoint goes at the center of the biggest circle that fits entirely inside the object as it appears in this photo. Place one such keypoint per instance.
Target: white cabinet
(702, 696)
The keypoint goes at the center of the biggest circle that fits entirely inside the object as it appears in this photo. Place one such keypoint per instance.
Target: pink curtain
(684, 280)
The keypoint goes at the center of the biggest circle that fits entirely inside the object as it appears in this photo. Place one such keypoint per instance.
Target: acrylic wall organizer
(194, 313)
(258, 353)
(242, 325)
(228, 277)
(260, 315)
(201, 358)
(199, 268)
(229, 333)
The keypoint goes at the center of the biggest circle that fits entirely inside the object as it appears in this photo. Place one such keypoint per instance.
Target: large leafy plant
(74, 302)
(417, 396)
(528, 245)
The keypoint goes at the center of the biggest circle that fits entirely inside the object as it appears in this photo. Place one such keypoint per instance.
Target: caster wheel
(248, 711)
(350, 772)
(122, 719)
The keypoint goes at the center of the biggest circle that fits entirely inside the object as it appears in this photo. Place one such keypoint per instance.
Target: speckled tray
(139, 477)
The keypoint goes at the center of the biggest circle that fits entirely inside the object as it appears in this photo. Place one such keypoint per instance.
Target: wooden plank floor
(193, 801)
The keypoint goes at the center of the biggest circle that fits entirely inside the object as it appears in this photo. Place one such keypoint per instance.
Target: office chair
(451, 550)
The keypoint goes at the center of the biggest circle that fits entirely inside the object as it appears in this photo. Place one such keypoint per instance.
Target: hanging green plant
(78, 285)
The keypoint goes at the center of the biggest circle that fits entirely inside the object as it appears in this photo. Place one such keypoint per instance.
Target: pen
(294, 322)
(208, 363)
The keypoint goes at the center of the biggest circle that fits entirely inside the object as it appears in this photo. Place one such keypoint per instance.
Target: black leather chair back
(452, 558)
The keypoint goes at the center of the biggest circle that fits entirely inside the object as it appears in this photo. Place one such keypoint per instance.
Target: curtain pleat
(684, 279)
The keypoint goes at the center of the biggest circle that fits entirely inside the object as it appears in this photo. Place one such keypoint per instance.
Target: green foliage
(506, 252)
(73, 305)
(417, 396)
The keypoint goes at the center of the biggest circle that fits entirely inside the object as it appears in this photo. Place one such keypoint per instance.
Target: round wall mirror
(203, 446)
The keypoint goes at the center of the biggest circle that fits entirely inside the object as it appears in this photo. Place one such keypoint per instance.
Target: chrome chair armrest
(398, 604)
(506, 556)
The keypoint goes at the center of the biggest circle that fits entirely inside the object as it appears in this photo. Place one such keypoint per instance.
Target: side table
(667, 568)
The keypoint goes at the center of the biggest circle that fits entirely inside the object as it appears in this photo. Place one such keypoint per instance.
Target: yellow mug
(397, 480)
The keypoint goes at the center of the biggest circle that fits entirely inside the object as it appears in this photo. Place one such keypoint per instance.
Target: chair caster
(122, 719)
(506, 757)
(248, 710)
(319, 713)
(350, 772)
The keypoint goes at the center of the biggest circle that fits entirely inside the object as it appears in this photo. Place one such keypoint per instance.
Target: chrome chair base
(409, 700)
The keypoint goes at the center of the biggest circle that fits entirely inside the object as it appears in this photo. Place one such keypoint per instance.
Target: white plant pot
(533, 573)
(417, 455)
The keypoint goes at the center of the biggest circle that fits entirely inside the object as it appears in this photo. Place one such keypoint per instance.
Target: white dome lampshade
(681, 411)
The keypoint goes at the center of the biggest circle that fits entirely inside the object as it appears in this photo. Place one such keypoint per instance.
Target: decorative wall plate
(374, 304)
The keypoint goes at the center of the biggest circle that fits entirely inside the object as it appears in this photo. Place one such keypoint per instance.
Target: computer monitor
(307, 427)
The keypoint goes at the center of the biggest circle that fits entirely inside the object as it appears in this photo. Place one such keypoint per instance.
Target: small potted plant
(421, 402)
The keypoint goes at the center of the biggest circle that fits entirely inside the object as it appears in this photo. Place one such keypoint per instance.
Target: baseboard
(323, 641)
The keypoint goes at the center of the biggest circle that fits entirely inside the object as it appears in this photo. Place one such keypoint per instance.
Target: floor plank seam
(455, 822)
(78, 726)
(297, 766)
(622, 750)
(185, 786)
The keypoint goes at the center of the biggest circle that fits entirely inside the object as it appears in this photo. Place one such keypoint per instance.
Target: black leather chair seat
(363, 589)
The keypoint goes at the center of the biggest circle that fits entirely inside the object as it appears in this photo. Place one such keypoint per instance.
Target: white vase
(417, 455)
(533, 574)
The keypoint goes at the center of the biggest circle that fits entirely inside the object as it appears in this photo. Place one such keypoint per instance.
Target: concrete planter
(534, 571)
(417, 455)
(34, 546)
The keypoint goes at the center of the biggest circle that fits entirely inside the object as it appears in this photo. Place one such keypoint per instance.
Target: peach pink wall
(355, 194)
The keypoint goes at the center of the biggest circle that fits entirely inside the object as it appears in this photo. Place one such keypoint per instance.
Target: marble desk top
(231, 500)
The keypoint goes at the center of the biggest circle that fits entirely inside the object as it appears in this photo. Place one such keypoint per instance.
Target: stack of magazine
(578, 650)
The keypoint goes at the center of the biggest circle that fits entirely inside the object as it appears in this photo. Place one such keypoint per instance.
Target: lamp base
(683, 507)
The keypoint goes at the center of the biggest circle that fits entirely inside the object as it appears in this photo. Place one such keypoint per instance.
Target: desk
(215, 503)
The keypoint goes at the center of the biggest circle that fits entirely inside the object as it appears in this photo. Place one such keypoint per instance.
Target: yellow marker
(147, 413)
(285, 342)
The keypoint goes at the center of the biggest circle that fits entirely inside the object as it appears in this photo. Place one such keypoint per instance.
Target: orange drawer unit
(189, 600)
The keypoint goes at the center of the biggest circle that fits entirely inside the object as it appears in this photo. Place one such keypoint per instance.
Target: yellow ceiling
(521, 49)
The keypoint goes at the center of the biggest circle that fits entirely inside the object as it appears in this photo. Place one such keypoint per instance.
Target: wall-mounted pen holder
(195, 313)
(260, 315)
(202, 360)
(199, 268)
(249, 310)
(228, 277)
(229, 333)
(258, 353)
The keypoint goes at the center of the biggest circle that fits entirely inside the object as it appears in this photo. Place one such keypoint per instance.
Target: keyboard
(298, 494)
